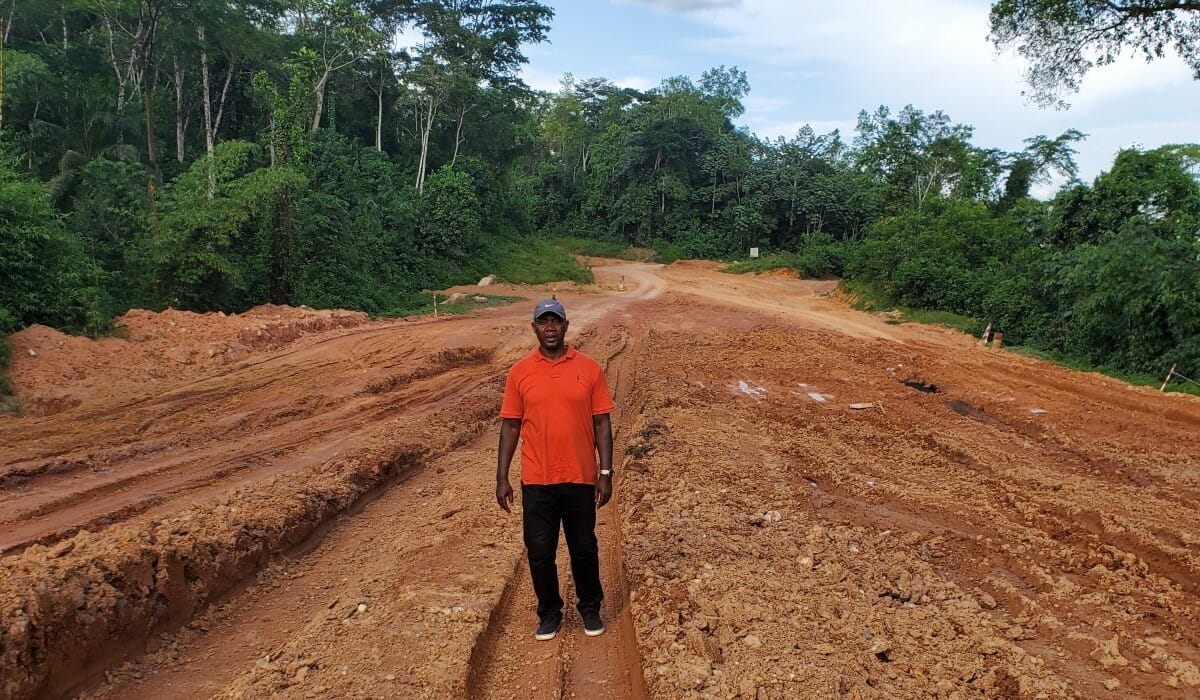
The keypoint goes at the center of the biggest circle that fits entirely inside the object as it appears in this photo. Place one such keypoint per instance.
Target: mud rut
(314, 518)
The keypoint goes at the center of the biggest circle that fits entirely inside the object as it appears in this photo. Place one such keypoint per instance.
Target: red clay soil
(811, 502)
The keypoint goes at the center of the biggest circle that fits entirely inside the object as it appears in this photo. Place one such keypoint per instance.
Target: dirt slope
(299, 503)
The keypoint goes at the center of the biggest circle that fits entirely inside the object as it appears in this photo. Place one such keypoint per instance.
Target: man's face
(550, 331)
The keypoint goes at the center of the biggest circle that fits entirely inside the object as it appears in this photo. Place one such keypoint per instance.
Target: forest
(217, 155)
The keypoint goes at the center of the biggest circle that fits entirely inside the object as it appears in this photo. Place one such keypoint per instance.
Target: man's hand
(504, 495)
(603, 490)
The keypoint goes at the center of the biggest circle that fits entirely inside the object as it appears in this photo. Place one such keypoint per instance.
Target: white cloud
(933, 54)
(819, 63)
(542, 80)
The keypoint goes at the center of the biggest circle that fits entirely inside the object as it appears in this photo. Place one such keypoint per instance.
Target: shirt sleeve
(513, 406)
(601, 400)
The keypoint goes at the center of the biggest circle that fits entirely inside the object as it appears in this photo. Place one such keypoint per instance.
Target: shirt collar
(568, 355)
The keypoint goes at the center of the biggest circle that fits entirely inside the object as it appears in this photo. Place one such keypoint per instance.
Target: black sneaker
(547, 629)
(593, 626)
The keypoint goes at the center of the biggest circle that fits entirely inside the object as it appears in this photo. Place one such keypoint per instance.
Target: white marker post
(1168, 379)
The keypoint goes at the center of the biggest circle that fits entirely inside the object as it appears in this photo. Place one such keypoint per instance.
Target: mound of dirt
(52, 371)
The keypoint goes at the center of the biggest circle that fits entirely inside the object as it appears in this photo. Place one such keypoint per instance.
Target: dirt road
(810, 503)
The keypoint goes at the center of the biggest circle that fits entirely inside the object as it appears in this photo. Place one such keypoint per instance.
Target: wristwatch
(605, 472)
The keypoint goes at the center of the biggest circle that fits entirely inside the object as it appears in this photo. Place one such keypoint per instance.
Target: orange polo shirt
(556, 400)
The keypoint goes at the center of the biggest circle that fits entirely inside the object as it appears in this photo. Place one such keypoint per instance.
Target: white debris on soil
(752, 390)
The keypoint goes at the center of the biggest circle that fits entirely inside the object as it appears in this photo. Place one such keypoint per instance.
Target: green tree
(449, 218)
(1064, 39)
(354, 234)
(223, 252)
(920, 156)
(1041, 159)
(1130, 301)
(47, 277)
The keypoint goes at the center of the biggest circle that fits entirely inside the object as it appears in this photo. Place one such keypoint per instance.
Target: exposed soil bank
(71, 610)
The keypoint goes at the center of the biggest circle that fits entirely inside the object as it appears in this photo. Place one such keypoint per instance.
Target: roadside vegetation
(229, 155)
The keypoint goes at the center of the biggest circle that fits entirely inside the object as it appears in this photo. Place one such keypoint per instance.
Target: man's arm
(510, 432)
(602, 428)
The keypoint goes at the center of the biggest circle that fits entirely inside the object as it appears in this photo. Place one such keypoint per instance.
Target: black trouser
(574, 506)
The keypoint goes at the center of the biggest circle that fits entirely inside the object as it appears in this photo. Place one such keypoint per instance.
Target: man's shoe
(547, 629)
(593, 626)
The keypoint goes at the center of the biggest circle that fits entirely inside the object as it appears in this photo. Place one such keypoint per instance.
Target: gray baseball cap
(549, 306)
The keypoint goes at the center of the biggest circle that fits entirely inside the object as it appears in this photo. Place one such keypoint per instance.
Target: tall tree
(920, 155)
(1064, 39)
(1042, 158)
(335, 34)
(469, 44)
(140, 21)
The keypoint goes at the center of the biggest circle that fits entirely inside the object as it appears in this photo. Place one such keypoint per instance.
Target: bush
(449, 221)
(535, 261)
(226, 251)
(108, 215)
(355, 231)
(47, 276)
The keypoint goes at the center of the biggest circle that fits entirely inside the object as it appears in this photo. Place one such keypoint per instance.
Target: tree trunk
(179, 123)
(426, 128)
(272, 140)
(221, 102)
(112, 57)
(319, 90)
(208, 122)
(458, 139)
(379, 122)
(148, 98)
(148, 77)
(792, 212)
(379, 116)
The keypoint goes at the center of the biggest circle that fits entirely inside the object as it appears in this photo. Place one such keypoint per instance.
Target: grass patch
(765, 263)
(820, 257)
(601, 249)
(536, 261)
(421, 303)
(528, 261)
(869, 298)
(966, 324)
(462, 307)
(1135, 378)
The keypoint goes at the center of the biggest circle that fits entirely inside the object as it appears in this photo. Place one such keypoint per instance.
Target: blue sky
(819, 63)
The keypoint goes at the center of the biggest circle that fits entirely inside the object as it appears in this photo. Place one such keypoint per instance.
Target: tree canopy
(1064, 39)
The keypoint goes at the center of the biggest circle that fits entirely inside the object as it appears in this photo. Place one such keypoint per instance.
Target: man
(557, 402)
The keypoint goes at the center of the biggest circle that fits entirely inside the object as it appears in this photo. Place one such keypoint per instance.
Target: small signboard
(754, 252)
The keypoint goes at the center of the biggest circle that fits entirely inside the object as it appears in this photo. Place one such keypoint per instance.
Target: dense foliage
(218, 155)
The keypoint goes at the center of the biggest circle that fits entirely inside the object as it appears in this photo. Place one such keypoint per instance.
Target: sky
(818, 62)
